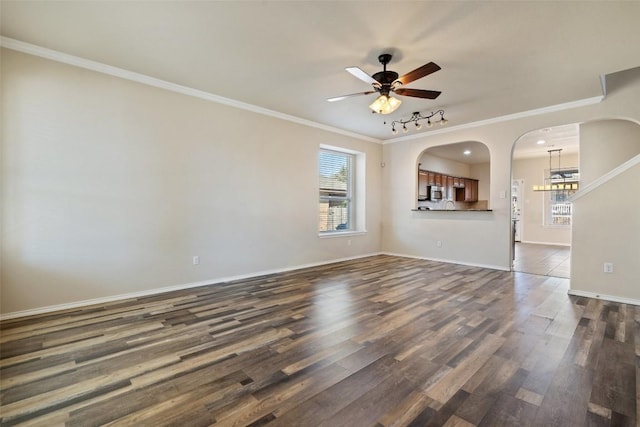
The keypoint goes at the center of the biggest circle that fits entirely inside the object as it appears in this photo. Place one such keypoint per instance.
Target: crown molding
(99, 67)
(499, 119)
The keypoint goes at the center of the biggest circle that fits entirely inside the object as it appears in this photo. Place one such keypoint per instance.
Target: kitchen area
(454, 177)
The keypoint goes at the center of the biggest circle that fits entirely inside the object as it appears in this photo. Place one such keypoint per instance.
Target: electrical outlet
(608, 267)
(439, 243)
(196, 260)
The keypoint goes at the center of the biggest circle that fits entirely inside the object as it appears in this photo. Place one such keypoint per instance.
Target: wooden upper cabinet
(422, 185)
(470, 190)
(449, 186)
(455, 188)
(431, 178)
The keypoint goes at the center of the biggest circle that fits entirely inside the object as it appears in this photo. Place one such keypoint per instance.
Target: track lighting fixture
(415, 118)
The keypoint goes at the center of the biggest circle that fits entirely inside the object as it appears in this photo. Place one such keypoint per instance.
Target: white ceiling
(537, 143)
(478, 152)
(497, 58)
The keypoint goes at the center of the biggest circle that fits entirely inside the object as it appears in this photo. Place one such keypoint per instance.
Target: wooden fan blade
(419, 73)
(357, 72)
(340, 98)
(418, 93)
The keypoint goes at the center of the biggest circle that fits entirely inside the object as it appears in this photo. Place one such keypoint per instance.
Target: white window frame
(355, 195)
(558, 214)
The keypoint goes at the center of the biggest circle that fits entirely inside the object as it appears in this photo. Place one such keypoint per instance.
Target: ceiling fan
(386, 82)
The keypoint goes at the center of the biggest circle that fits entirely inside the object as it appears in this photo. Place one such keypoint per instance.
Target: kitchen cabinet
(470, 190)
(451, 187)
(431, 178)
(423, 185)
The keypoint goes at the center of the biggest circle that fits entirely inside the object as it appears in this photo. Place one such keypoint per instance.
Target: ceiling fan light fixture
(385, 104)
(387, 82)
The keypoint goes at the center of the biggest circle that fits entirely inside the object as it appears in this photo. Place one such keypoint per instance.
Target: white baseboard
(155, 291)
(611, 298)
(546, 243)
(449, 261)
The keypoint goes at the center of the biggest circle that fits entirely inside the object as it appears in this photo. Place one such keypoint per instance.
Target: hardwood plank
(383, 340)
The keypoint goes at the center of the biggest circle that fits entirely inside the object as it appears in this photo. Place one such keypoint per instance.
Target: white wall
(466, 237)
(111, 187)
(533, 171)
(605, 144)
(607, 229)
(607, 219)
(482, 172)
(438, 164)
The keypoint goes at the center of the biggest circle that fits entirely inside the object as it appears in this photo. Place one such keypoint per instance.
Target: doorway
(517, 193)
(541, 215)
(541, 259)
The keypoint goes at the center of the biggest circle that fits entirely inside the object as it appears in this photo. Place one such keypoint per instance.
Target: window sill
(332, 234)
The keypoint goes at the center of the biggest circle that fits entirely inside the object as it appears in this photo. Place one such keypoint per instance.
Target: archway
(454, 176)
(545, 168)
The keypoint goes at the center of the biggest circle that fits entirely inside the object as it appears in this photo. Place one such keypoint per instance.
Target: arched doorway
(545, 173)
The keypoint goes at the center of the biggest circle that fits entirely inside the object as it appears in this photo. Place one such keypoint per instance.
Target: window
(559, 208)
(336, 173)
(557, 205)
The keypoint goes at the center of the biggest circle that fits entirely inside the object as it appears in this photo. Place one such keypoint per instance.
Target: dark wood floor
(380, 341)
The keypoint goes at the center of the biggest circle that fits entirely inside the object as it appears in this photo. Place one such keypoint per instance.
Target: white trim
(612, 298)
(163, 84)
(499, 119)
(584, 190)
(331, 234)
(449, 261)
(113, 298)
(603, 84)
(545, 243)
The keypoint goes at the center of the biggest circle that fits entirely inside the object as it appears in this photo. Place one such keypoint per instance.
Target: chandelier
(560, 179)
(415, 118)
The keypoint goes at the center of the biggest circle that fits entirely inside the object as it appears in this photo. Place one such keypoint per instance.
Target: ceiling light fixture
(560, 179)
(385, 104)
(540, 142)
(415, 118)
(466, 152)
